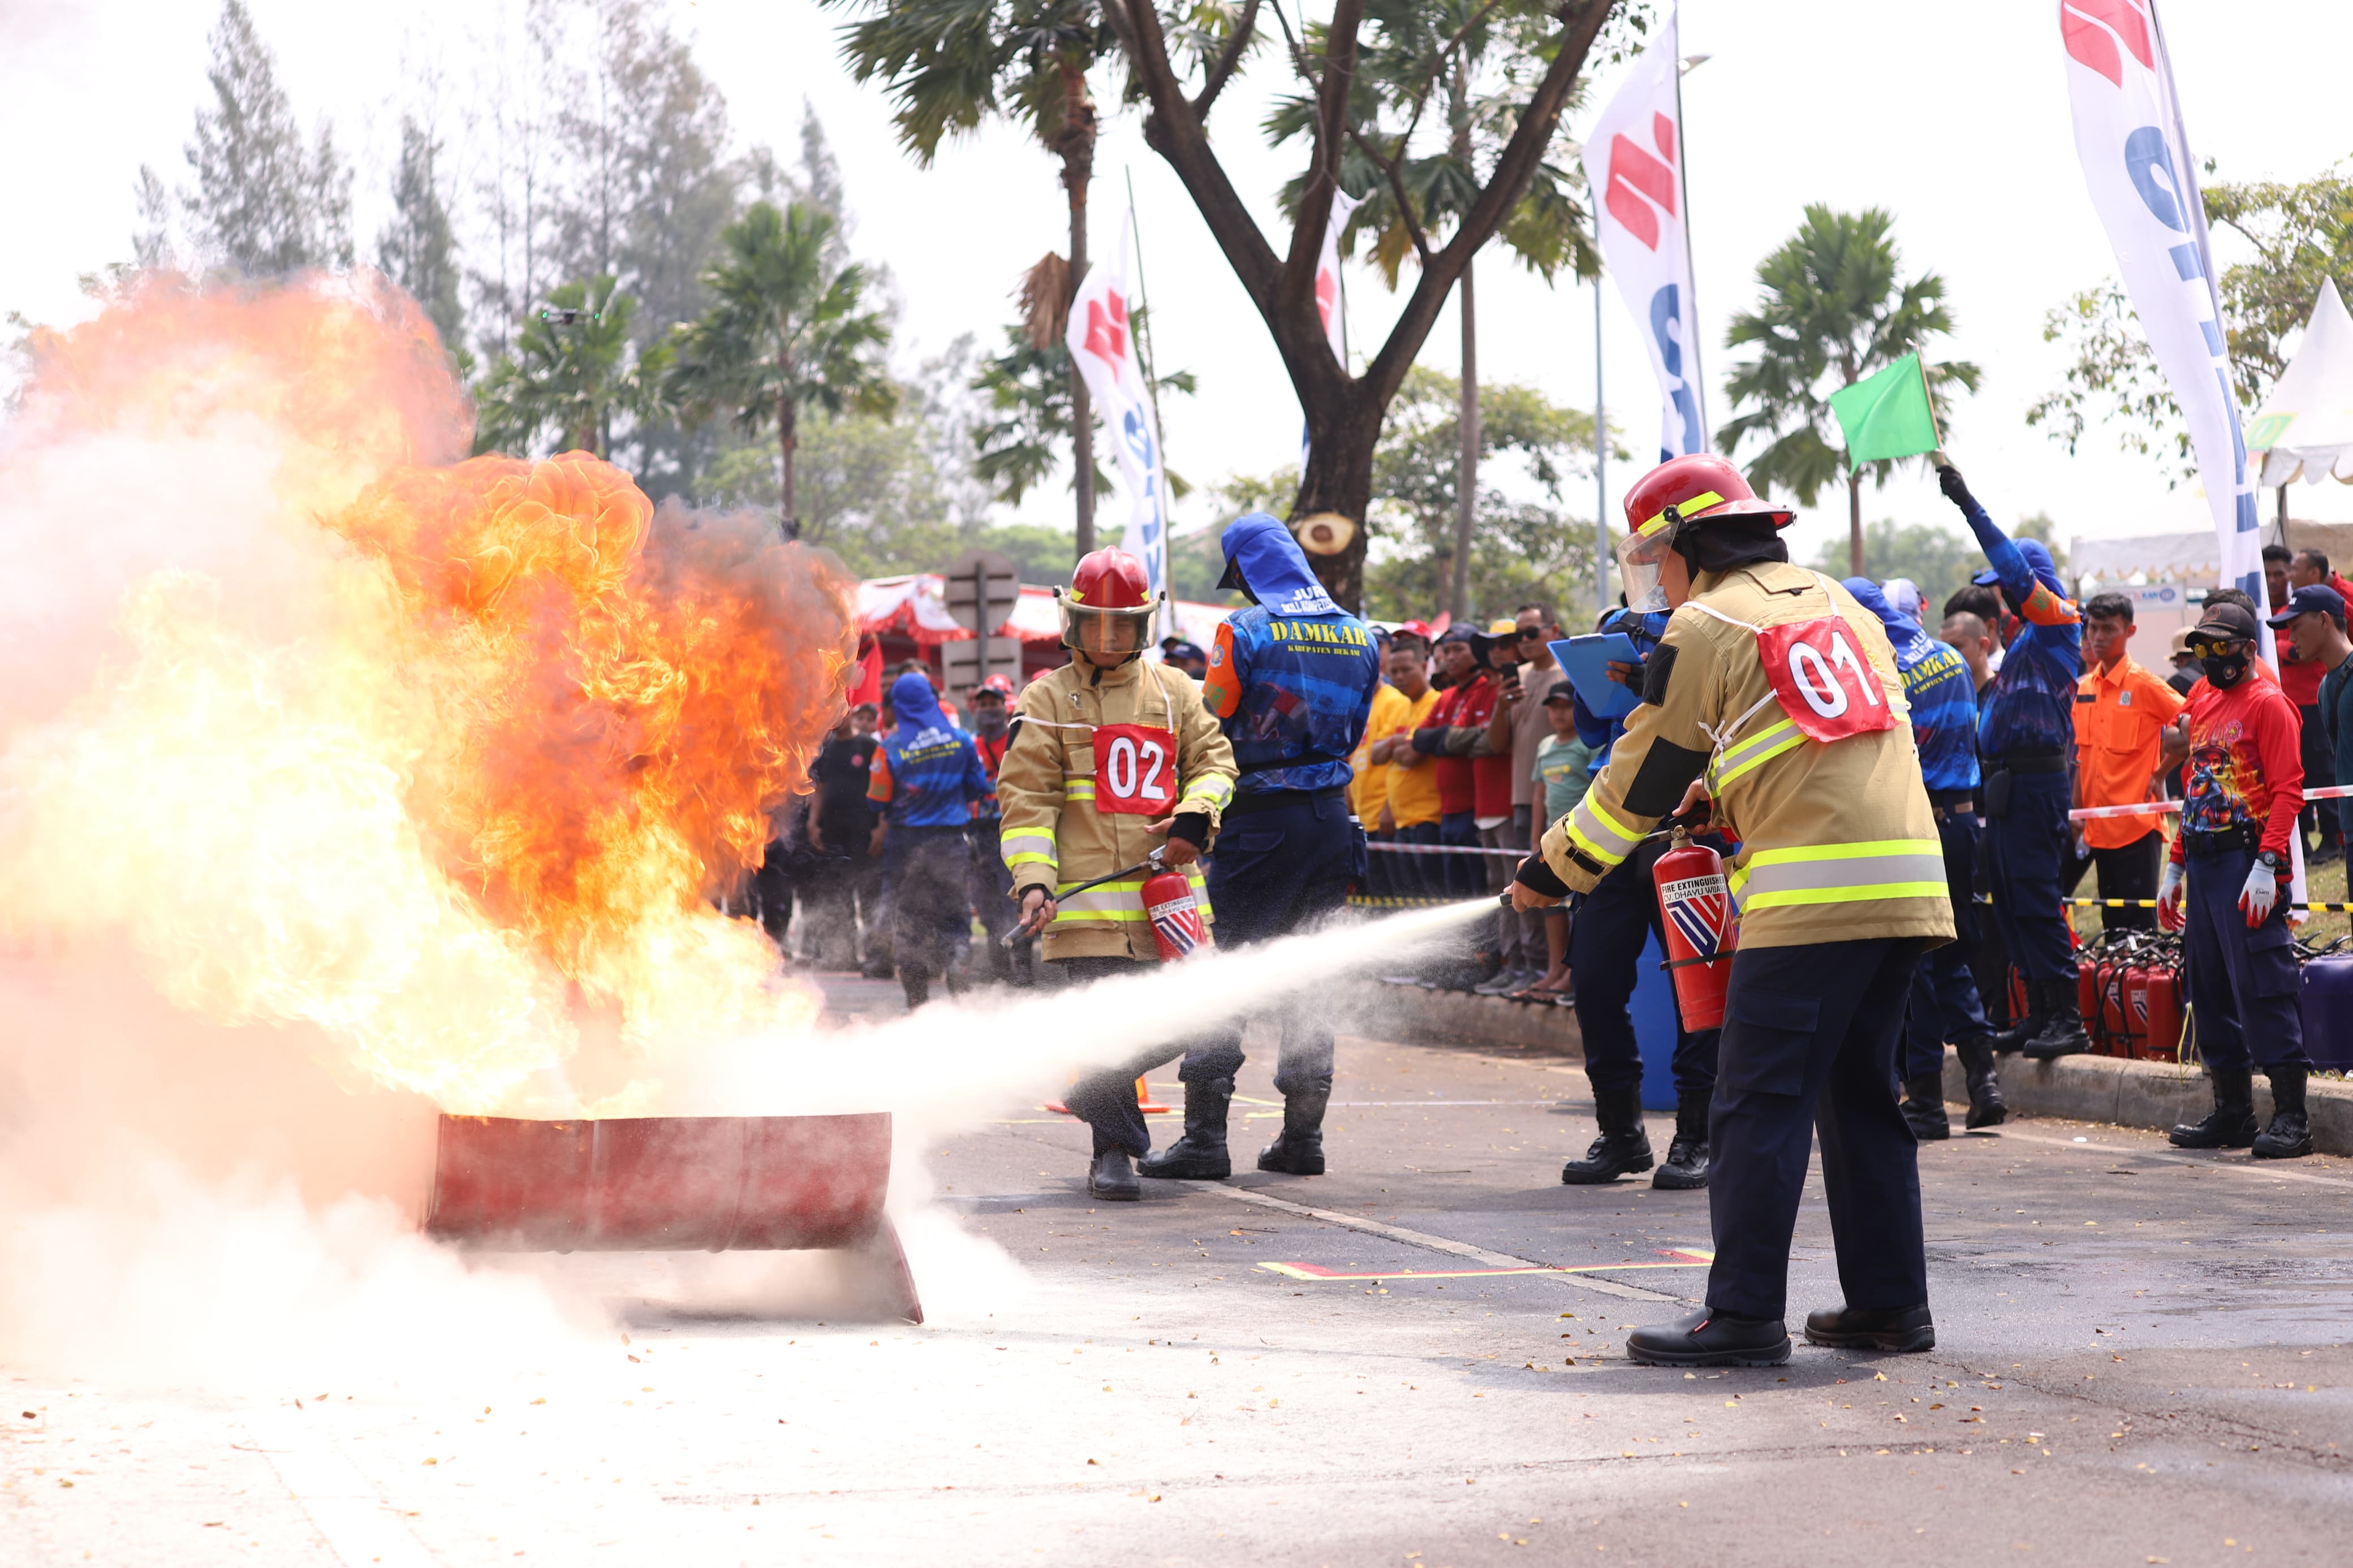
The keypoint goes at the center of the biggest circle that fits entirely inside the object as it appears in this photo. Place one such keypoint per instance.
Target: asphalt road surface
(1417, 1360)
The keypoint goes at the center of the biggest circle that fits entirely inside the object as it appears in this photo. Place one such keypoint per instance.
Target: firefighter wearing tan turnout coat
(1776, 696)
(1111, 759)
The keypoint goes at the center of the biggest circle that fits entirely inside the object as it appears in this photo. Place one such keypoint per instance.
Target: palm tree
(568, 371)
(785, 331)
(1833, 310)
(950, 65)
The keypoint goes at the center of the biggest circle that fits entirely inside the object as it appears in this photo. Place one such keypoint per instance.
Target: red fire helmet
(1702, 485)
(998, 684)
(1110, 608)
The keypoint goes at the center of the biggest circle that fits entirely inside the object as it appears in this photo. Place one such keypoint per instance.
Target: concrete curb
(2145, 1094)
(1456, 1018)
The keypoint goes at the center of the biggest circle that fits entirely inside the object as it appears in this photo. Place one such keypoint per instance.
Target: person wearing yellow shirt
(1411, 808)
(1369, 791)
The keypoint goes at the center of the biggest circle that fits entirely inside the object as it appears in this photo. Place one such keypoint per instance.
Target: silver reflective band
(1842, 873)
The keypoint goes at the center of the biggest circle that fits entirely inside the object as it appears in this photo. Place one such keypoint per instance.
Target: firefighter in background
(2027, 738)
(1291, 682)
(2227, 879)
(928, 783)
(992, 884)
(1109, 758)
(1605, 954)
(1776, 695)
(1945, 1007)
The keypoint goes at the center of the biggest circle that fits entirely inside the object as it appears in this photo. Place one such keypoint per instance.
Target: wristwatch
(2271, 858)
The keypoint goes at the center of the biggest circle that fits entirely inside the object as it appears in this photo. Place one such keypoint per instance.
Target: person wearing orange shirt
(2121, 711)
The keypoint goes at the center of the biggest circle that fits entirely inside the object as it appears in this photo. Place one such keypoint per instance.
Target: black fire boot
(1985, 1106)
(2006, 1041)
(1200, 1155)
(1905, 1330)
(2231, 1124)
(2062, 1033)
(1298, 1149)
(1111, 1178)
(1710, 1338)
(1923, 1107)
(1623, 1147)
(1686, 1167)
(2289, 1137)
(916, 981)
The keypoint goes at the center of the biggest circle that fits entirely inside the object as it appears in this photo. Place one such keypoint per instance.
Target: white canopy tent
(2305, 426)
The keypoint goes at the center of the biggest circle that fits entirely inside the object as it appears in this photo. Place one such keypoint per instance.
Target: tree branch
(1227, 60)
(1389, 165)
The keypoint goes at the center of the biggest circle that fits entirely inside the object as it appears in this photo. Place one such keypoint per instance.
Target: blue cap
(2310, 597)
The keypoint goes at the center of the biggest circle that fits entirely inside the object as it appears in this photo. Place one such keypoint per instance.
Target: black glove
(1955, 488)
(1537, 878)
(1192, 826)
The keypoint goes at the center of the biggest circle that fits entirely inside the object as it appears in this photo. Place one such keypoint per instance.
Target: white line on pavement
(359, 1525)
(2264, 1170)
(1434, 1243)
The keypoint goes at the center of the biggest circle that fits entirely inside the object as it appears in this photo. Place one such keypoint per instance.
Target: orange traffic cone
(1144, 1102)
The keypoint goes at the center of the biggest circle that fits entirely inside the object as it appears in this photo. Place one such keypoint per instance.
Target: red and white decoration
(1102, 343)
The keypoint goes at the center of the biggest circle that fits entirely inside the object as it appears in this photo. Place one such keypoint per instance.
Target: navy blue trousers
(929, 872)
(1809, 1044)
(1605, 952)
(1279, 869)
(1105, 1098)
(2242, 984)
(2025, 849)
(1465, 875)
(1944, 1007)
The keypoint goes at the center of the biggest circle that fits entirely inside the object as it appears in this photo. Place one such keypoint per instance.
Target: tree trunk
(787, 439)
(1466, 464)
(1855, 524)
(1074, 139)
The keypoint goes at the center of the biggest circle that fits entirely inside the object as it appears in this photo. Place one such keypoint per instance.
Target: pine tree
(418, 248)
(264, 204)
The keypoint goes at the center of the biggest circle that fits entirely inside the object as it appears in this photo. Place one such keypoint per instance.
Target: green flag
(1887, 414)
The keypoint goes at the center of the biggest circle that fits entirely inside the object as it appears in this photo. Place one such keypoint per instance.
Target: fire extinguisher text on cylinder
(1696, 906)
(1175, 913)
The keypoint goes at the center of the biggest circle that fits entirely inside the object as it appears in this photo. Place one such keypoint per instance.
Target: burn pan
(671, 1183)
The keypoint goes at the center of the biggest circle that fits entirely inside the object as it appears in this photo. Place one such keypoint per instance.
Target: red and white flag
(1633, 163)
(1328, 301)
(2144, 182)
(1102, 343)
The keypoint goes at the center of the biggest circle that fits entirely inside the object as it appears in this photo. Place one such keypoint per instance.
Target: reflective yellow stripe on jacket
(1599, 834)
(1123, 900)
(1840, 874)
(1026, 849)
(1754, 752)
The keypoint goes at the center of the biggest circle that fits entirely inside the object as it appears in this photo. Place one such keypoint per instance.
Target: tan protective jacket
(1051, 835)
(1836, 839)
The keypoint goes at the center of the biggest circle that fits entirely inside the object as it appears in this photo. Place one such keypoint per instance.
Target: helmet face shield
(1107, 636)
(1640, 556)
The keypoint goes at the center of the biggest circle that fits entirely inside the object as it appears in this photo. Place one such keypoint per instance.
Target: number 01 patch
(1824, 684)
(1136, 769)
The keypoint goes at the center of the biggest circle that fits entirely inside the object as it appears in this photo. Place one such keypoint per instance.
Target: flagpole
(1601, 458)
(1150, 385)
(1697, 381)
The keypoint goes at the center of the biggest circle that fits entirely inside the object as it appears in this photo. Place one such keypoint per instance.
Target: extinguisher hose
(1150, 863)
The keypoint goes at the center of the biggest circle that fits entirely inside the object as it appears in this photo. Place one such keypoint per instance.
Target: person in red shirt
(2300, 678)
(2227, 882)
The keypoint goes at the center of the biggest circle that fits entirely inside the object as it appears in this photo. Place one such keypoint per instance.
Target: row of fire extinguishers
(2130, 989)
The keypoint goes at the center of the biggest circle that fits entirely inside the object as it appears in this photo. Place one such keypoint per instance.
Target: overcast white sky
(1954, 118)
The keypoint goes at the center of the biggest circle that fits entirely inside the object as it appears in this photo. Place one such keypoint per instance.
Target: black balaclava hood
(1721, 545)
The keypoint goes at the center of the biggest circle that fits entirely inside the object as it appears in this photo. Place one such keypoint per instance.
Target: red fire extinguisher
(1175, 912)
(2163, 1041)
(1696, 905)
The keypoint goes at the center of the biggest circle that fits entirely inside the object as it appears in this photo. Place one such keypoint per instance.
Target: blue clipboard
(1586, 661)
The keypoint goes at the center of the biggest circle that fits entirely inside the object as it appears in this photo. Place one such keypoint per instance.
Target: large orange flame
(453, 756)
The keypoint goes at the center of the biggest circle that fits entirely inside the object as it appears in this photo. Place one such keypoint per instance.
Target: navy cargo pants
(2026, 842)
(1809, 1044)
(2242, 984)
(1605, 952)
(1945, 1008)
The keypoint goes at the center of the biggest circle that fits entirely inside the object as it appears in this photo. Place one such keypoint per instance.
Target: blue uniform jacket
(1291, 676)
(2033, 706)
(1598, 733)
(927, 773)
(1936, 684)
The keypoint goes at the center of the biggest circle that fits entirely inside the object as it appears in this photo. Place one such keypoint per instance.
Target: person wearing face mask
(2226, 886)
(2025, 739)
(1109, 760)
(1773, 701)
(992, 884)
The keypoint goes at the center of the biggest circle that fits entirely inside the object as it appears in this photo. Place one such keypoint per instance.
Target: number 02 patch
(1824, 684)
(1136, 769)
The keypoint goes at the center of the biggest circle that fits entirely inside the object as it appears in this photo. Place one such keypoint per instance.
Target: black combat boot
(1923, 1107)
(1985, 1106)
(2231, 1125)
(1298, 1149)
(916, 981)
(1710, 1338)
(1686, 1166)
(2289, 1137)
(1200, 1155)
(1905, 1330)
(1111, 1178)
(1623, 1147)
(2062, 1032)
(2006, 1041)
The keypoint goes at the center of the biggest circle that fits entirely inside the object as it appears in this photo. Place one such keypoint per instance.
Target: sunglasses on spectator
(1527, 633)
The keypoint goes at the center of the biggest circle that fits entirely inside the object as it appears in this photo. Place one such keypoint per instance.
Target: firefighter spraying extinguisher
(1701, 934)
